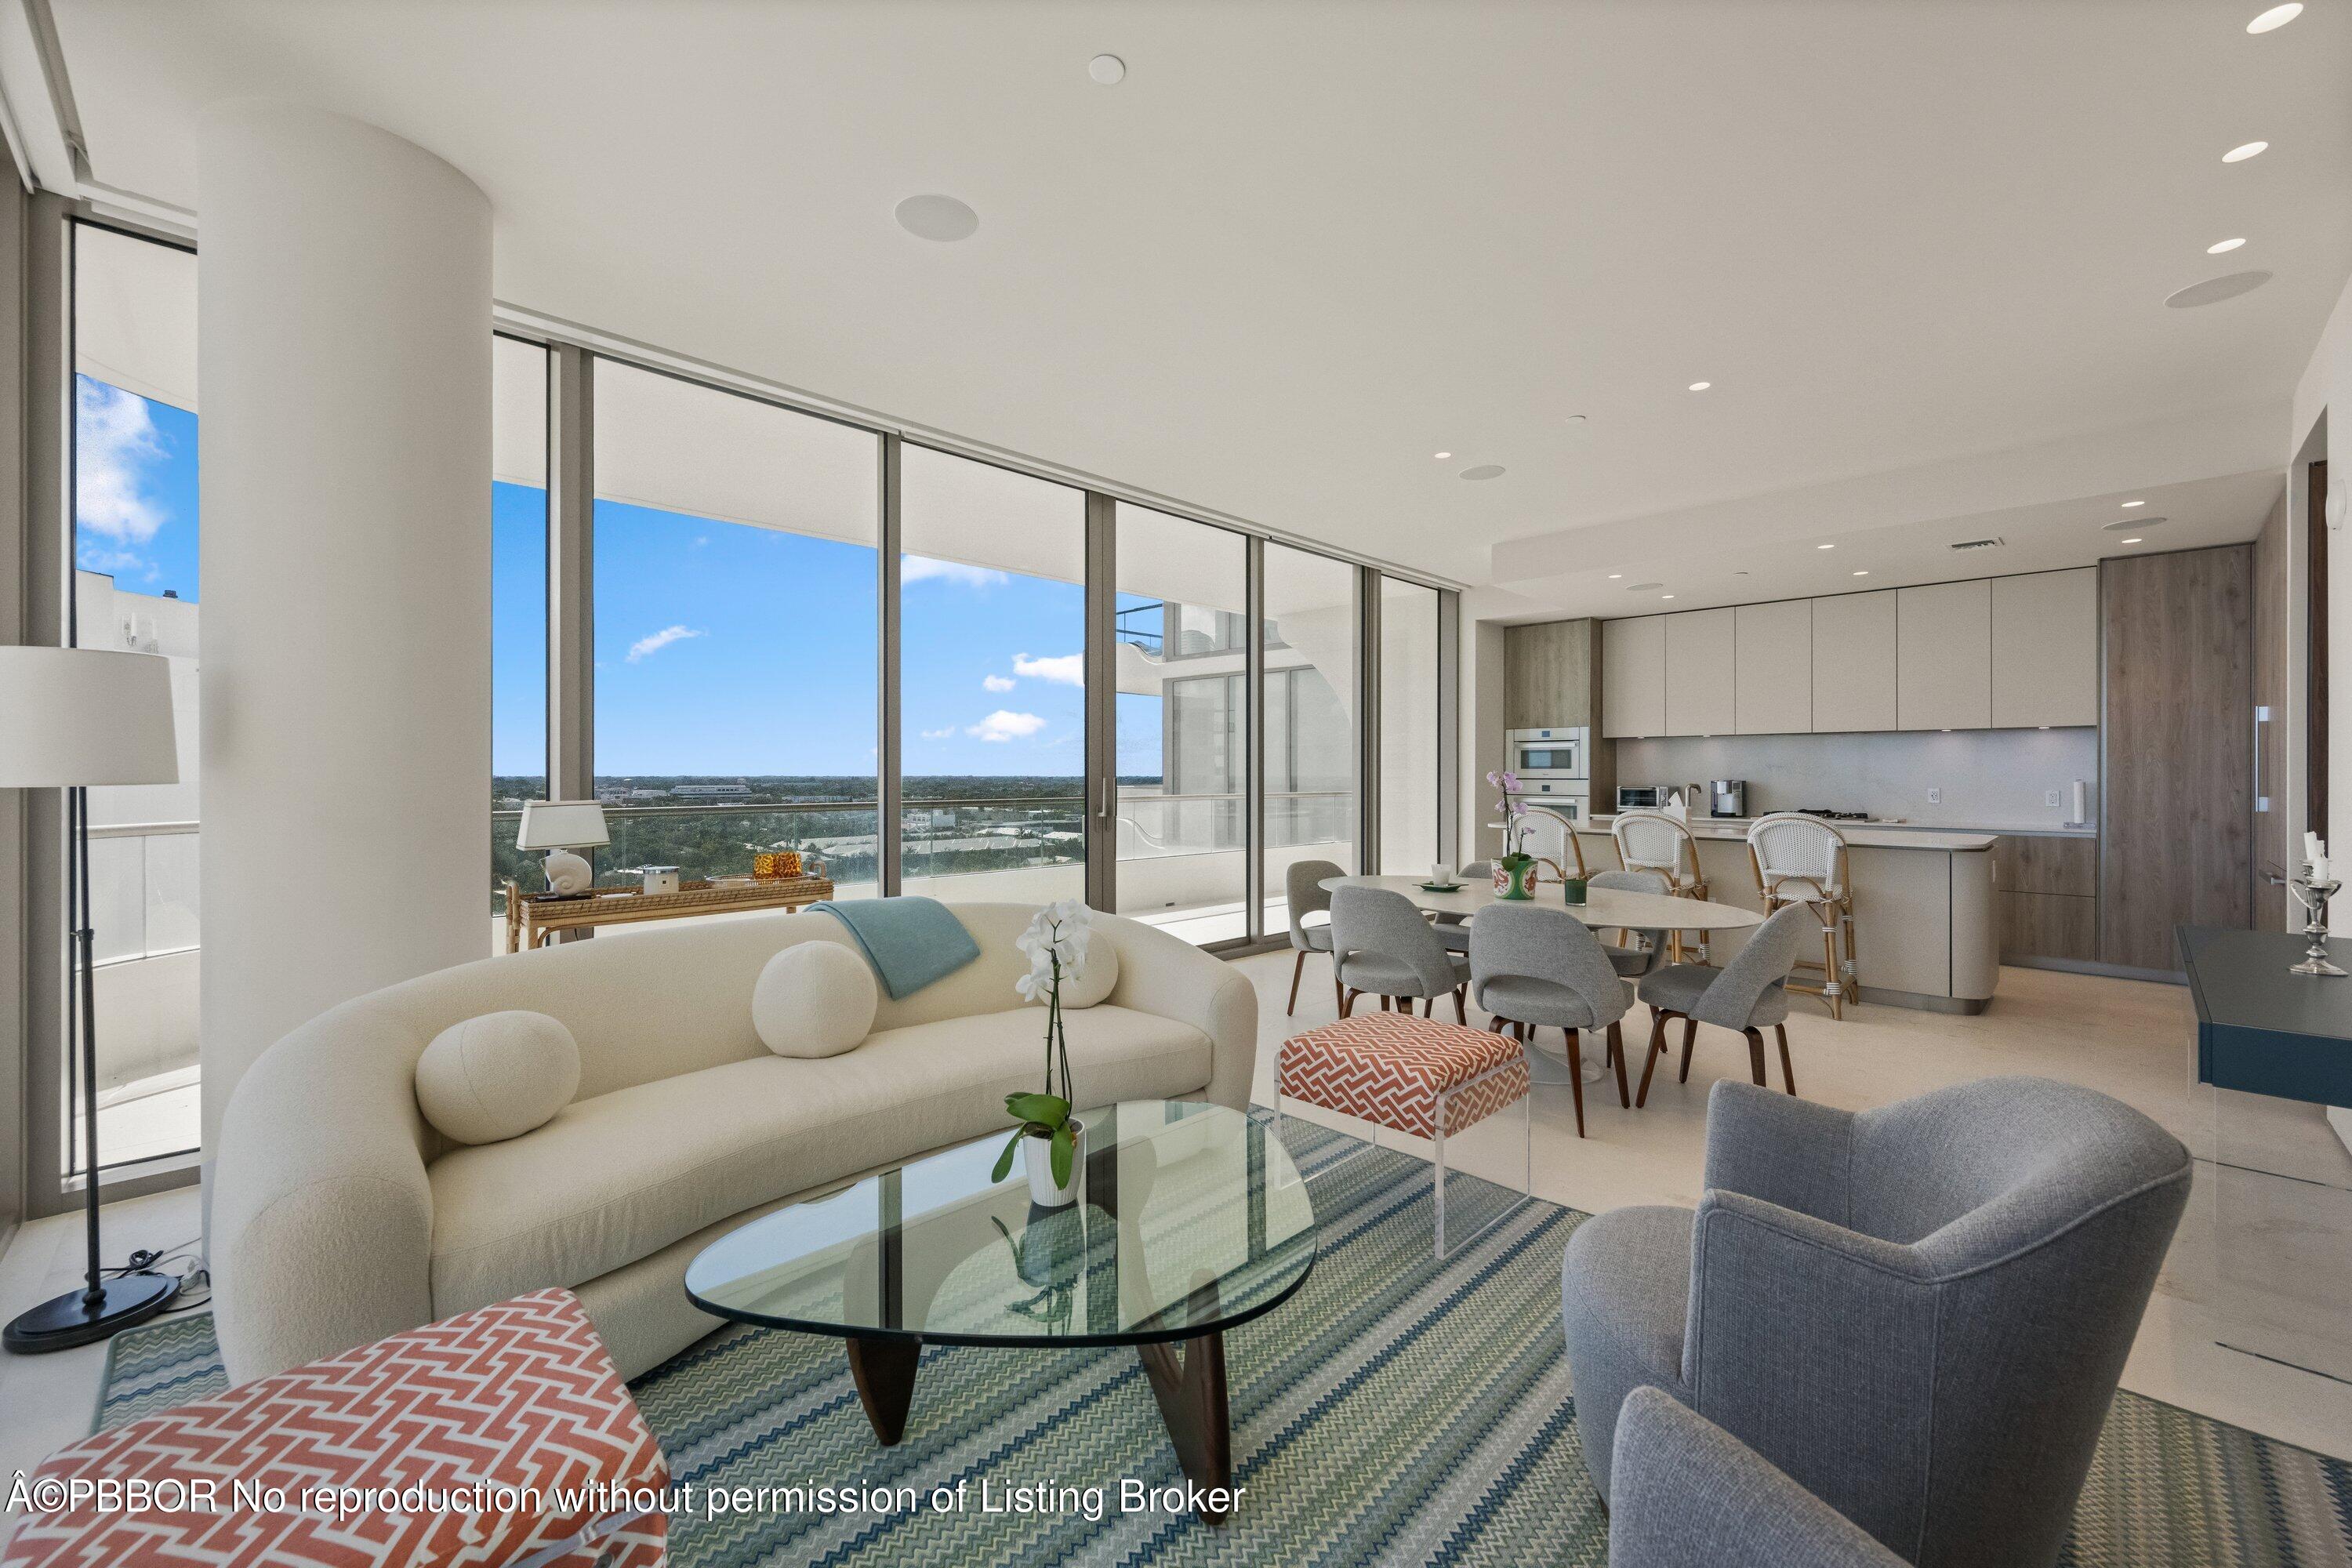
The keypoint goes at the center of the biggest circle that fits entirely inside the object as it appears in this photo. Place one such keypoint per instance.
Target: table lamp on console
(560, 827)
(71, 718)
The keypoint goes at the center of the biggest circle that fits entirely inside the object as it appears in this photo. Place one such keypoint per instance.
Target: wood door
(2315, 811)
(2176, 764)
(2274, 634)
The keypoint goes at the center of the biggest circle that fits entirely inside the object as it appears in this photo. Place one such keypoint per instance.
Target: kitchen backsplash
(1986, 777)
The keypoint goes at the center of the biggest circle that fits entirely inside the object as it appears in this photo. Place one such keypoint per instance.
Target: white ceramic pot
(1038, 1154)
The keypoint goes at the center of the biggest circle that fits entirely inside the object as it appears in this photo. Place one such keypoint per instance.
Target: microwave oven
(1563, 752)
(1642, 798)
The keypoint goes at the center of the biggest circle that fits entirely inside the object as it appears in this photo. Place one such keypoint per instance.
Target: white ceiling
(1302, 246)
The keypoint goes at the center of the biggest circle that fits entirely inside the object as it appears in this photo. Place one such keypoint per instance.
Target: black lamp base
(64, 1321)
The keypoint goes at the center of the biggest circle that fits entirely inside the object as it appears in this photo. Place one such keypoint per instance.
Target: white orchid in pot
(1051, 1141)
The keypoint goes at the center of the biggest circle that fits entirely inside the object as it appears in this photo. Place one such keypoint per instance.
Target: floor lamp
(71, 718)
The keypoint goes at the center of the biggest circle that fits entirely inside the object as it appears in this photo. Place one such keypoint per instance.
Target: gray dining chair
(1304, 893)
(1536, 967)
(1635, 961)
(1382, 947)
(1917, 1311)
(1684, 1493)
(1746, 995)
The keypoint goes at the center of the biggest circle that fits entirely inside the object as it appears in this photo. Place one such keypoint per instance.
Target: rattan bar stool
(1660, 842)
(1801, 859)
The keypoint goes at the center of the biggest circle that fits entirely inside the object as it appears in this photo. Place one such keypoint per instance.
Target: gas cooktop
(1825, 813)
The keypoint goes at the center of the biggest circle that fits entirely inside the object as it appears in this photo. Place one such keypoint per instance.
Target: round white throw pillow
(814, 999)
(1094, 984)
(497, 1075)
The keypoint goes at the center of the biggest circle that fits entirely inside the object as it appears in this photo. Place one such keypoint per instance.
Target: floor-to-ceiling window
(1310, 693)
(1408, 719)
(135, 586)
(992, 680)
(737, 626)
(518, 609)
(1181, 724)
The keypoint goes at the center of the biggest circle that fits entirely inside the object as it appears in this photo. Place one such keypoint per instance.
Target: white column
(343, 332)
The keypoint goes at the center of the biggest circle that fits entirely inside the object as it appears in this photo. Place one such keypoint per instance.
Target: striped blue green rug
(1393, 1412)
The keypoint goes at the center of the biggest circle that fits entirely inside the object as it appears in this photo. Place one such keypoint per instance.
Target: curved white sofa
(340, 1215)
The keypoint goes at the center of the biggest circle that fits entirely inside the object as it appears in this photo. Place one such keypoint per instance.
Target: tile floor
(2278, 1274)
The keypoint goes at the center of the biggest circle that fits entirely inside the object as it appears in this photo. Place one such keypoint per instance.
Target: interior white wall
(1988, 778)
(2326, 384)
(344, 331)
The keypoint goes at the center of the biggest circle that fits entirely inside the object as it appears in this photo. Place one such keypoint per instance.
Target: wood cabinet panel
(2049, 925)
(2045, 650)
(1772, 684)
(1943, 656)
(1853, 662)
(1701, 659)
(2039, 864)
(2176, 786)
(1634, 676)
(1550, 675)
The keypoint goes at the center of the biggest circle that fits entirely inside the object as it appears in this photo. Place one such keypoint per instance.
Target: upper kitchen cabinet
(1943, 655)
(1853, 662)
(1634, 676)
(1700, 660)
(1773, 684)
(1550, 674)
(2045, 650)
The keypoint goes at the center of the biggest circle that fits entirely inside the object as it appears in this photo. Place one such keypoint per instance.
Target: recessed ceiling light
(1441, 457)
(1577, 418)
(2244, 150)
(1825, 547)
(1614, 576)
(2213, 290)
(1700, 386)
(1483, 471)
(2225, 244)
(1666, 595)
(1861, 574)
(1107, 70)
(2132, 542)
(936, 217)
(2133, 503)
(2275, 17)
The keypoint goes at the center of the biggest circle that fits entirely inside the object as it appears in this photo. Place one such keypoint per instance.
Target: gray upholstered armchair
(1537, 967)
(1919, 1312)
(1304, 894)
(1381, 946)
(1688, 1494)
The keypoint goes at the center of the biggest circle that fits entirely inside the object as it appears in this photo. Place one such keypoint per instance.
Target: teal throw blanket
(909, 942)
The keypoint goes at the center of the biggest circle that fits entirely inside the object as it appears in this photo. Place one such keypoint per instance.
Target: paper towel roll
(2082, 803)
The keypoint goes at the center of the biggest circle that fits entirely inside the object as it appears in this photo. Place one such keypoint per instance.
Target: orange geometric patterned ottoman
(1415, 1075)
(498, 1438)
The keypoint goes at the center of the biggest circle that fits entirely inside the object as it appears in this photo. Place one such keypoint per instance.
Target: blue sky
(720, 648)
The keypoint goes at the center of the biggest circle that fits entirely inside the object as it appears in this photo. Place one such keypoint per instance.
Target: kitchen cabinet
(1634, 676)
(1550, 674)
(1772, 685)
(2047, 888)
(1700, 664)
(1853, 662)
(1943, 656)
(2045, 650)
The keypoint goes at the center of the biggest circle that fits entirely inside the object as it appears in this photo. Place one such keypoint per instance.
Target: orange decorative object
(768, 865)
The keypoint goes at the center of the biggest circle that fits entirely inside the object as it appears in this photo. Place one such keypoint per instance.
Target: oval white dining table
(1610, 907)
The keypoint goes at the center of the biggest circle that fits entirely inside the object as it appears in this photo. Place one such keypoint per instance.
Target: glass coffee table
(1190, 1220)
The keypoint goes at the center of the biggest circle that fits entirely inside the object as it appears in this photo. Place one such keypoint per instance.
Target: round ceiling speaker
(2213, 290)
(1108, 70)
(1483, 471)
(943, 219)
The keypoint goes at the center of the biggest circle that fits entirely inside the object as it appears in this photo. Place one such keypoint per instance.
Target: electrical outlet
(2049, 797)
(1935, 797)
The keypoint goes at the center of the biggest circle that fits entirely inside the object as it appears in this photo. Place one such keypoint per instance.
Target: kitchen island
(1926, 918)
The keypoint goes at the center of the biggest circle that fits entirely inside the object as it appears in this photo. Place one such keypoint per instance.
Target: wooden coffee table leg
(884, 1372)
(1189, 1381)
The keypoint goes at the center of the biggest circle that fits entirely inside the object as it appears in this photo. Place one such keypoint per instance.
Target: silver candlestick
(2314, 895)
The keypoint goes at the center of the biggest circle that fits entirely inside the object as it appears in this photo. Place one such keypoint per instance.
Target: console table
(2261, 1030)
(532, 918)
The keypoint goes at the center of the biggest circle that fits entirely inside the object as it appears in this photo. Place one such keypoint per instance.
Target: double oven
(1554, 767)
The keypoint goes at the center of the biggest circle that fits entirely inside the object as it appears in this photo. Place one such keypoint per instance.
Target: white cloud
(114, 438)
(646, 647)
(1002, 725)
(939, 734)
(1067, 669)
(996, 683)
(917, 568)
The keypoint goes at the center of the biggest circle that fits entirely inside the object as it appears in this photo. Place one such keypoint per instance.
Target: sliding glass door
(991, 681)
(1308, 770)
(518, 611)
(1408, 727)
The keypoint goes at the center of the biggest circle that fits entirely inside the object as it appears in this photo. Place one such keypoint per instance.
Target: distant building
(708, 791)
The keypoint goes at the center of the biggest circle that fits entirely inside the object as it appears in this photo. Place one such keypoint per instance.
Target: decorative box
(661, 878)
(769, 865)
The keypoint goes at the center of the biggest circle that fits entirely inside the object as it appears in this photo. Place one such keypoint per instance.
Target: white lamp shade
(74, 716)
(562, 825)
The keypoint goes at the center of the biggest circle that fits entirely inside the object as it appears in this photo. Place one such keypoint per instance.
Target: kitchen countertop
(2005, 829)
(1861, 836)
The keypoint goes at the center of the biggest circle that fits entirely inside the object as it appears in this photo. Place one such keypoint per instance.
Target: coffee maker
(1727, 797)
